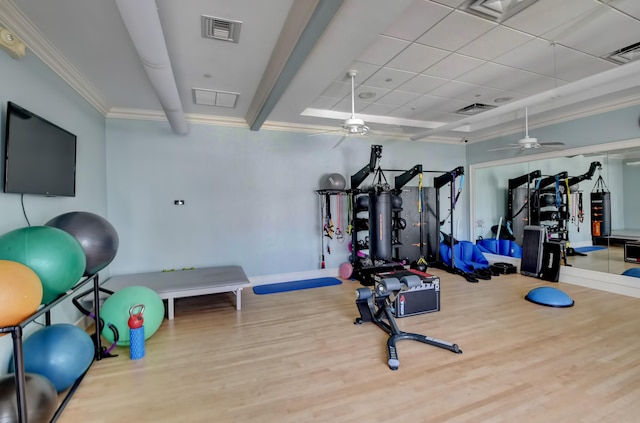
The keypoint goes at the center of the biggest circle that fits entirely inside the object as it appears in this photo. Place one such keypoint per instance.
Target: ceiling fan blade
(324, 133)
(344, 137)
(551, 143)
(505, 148)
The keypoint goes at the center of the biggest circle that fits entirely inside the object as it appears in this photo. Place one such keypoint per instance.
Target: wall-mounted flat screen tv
(39, 156)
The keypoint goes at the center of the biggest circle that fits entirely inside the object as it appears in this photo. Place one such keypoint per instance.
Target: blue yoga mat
(589, 249)
(274, 288)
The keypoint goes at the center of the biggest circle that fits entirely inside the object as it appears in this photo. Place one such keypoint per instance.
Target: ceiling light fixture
(502, 99)
(497, 10)
(366, 95)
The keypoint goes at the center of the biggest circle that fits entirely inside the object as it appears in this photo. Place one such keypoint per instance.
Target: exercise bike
(376, 304)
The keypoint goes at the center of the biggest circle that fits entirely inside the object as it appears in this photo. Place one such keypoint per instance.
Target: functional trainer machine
(377, 305)
(380, 222)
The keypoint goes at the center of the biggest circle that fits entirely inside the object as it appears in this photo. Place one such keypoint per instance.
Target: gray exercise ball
(333, 182)
(40, 396)
(96, 235)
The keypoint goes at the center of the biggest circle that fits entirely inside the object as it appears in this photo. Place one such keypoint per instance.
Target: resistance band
(339, 234)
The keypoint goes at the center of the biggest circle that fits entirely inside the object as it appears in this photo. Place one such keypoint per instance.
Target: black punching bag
(380, 225)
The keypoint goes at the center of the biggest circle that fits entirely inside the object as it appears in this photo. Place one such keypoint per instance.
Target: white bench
(185, 283)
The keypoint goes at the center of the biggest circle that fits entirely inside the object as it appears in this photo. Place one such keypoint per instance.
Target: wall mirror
(617, 172)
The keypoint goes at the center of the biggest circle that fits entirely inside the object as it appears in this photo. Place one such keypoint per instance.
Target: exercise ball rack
(18, 358)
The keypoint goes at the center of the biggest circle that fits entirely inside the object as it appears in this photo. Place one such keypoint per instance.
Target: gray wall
(32, 85)
(249, 196)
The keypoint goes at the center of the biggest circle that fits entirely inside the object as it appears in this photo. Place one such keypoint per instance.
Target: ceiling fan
(528, 143)
(353, 125)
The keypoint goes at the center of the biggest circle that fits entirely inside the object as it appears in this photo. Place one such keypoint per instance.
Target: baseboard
(609, 282)
(296, 276)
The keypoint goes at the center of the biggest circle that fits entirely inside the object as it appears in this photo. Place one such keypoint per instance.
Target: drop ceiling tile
(324, 102)
(345, 105)
(450, 3)
(379, 92)
(488, 95)
(383, 50)
(452, 89)
(378, 109)
(485, 73)
(416, 58)
(443, 105)
(572, 65)
(536, 55)
(455, 31)
(365, 70)
(630, 7)
(422, 84)
(424, 102)
(600, 34)
(453, 66)
(417, 19)
(524, 82)
(397, 98)
(403, 112)
(545, 15)
(337, 89)
(497, 41)
(389, 78)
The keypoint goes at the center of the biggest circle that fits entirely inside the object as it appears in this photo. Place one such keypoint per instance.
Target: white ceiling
(423, 60)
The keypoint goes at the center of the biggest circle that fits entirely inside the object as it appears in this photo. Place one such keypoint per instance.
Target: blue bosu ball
(548, 296)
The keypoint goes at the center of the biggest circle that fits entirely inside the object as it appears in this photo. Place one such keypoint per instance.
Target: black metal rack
(18, 358)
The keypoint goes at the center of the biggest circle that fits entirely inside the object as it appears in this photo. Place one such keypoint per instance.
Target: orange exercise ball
(20, 292)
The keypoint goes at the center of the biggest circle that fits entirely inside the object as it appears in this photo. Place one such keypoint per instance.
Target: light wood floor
(298, 357)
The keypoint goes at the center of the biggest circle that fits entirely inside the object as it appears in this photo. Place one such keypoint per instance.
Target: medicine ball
(396, 201)
(362, 202)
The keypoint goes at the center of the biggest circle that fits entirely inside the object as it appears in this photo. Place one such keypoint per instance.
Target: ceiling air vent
(220, 29)
(206, 97)
(474, 109)
(497, 10)
(625, 55)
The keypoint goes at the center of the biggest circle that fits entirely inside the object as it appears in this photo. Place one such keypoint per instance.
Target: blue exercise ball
(41, 398)
(55, 256)
(96, 235)
(61, 352)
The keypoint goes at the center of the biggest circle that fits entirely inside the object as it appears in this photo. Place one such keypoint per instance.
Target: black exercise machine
(377, 305)
(380, 220)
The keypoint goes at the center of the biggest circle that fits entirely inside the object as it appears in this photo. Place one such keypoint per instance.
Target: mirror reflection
(586, 202)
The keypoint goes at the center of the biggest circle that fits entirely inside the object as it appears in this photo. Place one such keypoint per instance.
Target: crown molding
(13, 18)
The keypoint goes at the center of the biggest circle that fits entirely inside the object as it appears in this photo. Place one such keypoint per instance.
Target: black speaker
(632, 252)
(551, 254)
(532, 244)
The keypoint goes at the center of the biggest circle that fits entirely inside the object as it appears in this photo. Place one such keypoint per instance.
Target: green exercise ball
(115, 310)
(53, 254)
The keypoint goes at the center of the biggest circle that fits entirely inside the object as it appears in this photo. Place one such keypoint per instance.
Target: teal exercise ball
(96, 235)
(61, 352)
(53, 254)
(115, 310)
(40, 396)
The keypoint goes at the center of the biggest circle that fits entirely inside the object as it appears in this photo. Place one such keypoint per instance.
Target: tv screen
(40, 157)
